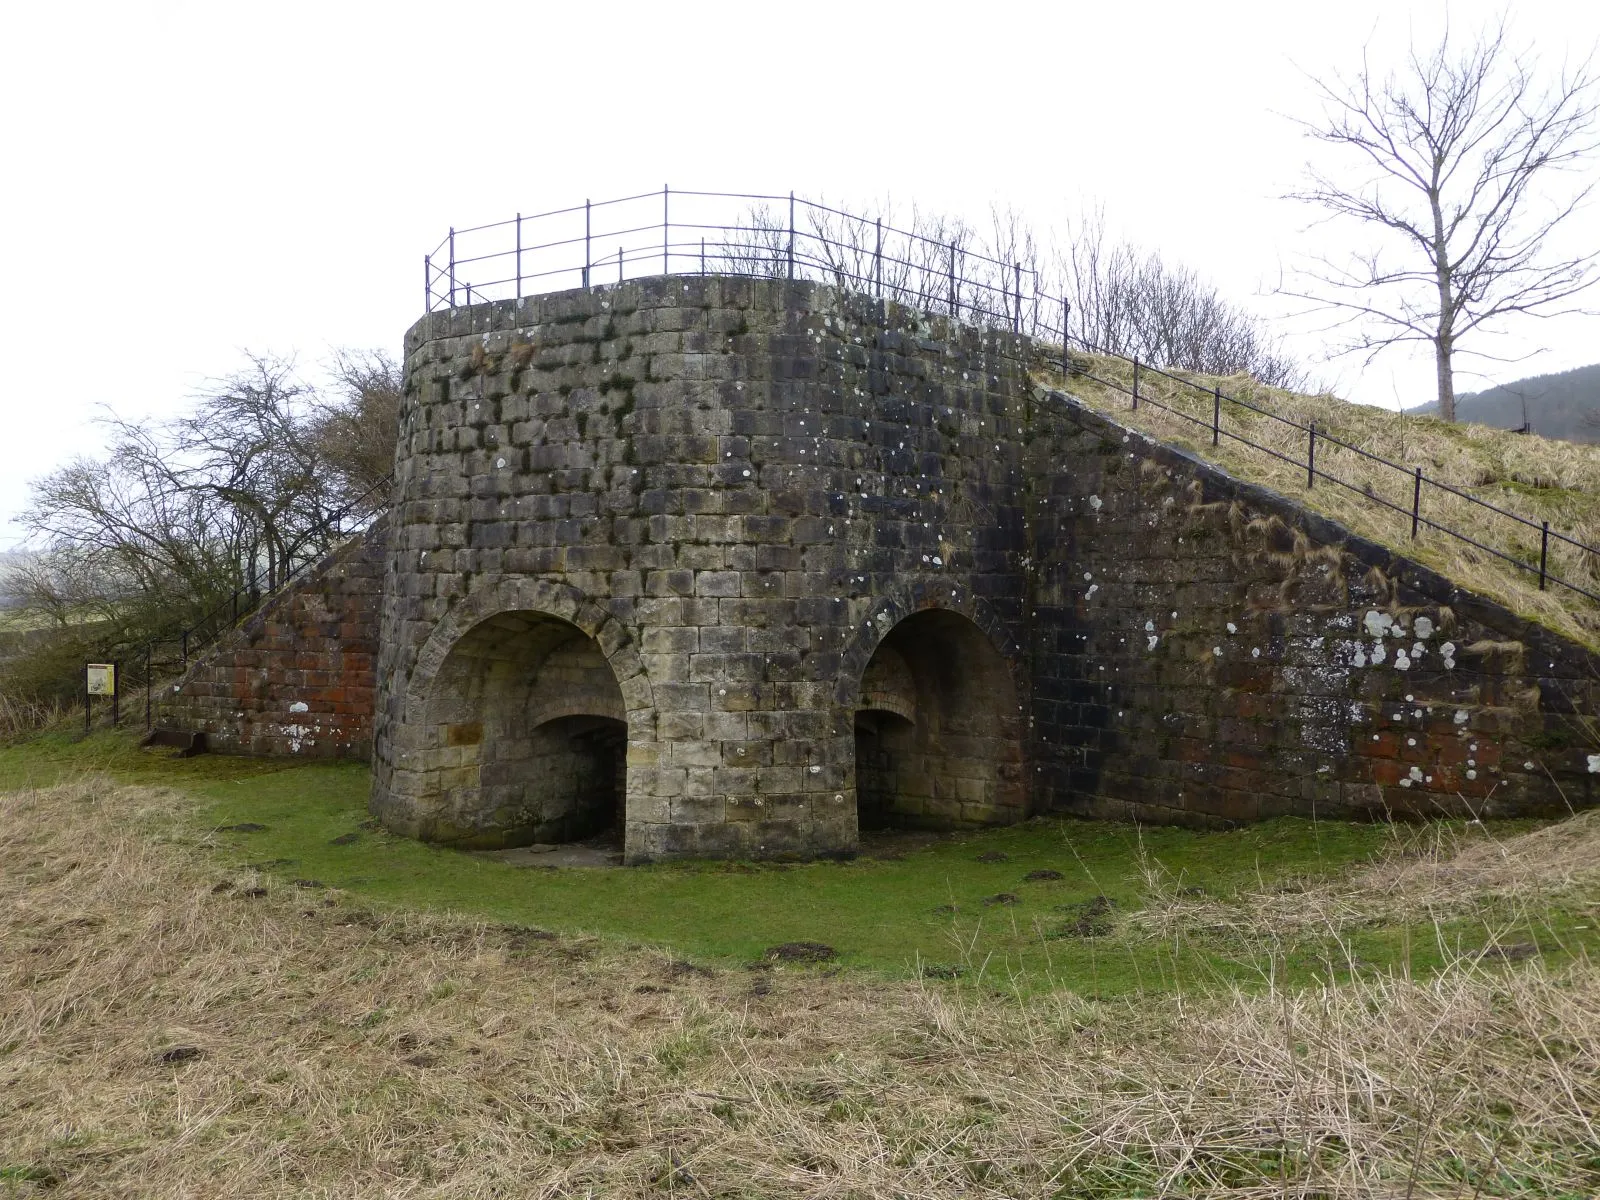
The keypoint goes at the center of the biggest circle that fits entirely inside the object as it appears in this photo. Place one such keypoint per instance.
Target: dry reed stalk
(1537, 478)
(19, 718)
(162, 1037)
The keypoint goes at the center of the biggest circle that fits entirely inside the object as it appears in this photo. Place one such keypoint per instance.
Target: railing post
(955, 300)
(588, 258)
(1016, 320)
(1216, 415)
(619, 264)
(1311, 457)
(791, 233)
(702, 257)
(1135, 383)
(877, 259)
(183, 645)
(519, 256)
(666, 231)
(147, 687)
(1544, 552)
(116, 692)
(1066, 322)
(452, 268)
(1416, 503)
(427, 283)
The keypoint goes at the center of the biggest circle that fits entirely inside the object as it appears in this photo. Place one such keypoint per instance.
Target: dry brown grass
(1536, 478)
(340, 1052)
(21, 718)
(1431, 874)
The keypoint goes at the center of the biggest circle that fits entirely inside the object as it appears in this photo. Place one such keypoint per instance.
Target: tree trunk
(1447, 380)
(1444, 335)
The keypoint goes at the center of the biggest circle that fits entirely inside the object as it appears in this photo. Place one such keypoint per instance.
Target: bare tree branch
(1448, 159)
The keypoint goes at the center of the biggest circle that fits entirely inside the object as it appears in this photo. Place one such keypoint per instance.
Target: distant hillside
(7, 557)
(1566, 405)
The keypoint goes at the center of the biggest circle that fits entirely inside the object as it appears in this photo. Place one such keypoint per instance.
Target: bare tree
(1124, 300)
(249, 442)
(1132, 302)
(1449, 156)
(356, 433)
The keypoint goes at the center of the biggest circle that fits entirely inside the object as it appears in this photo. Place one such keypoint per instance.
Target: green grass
(883, 914)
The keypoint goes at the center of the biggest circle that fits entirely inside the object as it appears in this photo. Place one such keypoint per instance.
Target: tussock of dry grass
(20, 718)
(1537, 478)
(1434, 873)
(346, 1053)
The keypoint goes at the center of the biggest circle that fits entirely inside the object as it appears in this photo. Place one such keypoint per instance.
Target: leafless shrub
(1131, 302)
(1124, 300)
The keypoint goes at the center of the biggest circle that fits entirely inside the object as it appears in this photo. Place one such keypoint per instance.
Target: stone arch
(517, 719)
(895, 604)
(559, 600)
(938, 720)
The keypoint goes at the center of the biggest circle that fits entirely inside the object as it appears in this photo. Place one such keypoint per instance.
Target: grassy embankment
(1537, 478)
(962, 905)
(174, 1022)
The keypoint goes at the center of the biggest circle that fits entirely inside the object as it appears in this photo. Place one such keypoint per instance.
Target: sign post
(100, 679)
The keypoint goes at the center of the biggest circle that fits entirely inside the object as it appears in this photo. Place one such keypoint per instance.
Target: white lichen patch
(299, 706)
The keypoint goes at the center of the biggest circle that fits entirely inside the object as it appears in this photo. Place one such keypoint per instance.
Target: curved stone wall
(736, 488)
(757, 563)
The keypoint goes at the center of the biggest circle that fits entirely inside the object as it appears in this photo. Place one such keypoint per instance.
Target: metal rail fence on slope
(710, 233)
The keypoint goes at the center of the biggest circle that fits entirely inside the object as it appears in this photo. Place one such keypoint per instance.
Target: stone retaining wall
(1207, 650)
(296, 679)
(757, 563)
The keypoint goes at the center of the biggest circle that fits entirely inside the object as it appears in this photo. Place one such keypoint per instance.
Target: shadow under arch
(514, 726)
(938, 727)
(524, 736)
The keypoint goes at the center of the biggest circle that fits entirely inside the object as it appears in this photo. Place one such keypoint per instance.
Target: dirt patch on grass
(160, 1038)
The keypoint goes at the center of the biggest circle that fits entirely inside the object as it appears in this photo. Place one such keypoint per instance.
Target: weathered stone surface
(733, 491)
(1205, 650)
(755, 564)
(296, 678)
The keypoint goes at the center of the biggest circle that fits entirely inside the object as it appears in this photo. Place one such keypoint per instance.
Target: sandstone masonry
(296, 678)
(744, 566)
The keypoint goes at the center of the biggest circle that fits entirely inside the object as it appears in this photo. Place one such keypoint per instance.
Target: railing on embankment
(673, 232)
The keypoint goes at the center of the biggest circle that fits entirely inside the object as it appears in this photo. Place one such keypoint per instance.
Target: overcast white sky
(187, 180)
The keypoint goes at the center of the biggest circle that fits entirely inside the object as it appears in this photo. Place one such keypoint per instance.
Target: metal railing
(1417, 483)
(722, 233)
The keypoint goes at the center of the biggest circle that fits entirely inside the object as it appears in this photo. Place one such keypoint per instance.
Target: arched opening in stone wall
(938, 734)
(525, 737)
